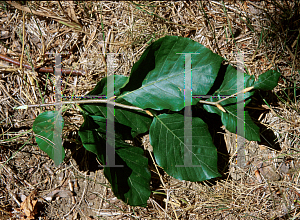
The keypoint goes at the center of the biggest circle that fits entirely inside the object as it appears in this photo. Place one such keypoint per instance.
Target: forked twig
(217, 104)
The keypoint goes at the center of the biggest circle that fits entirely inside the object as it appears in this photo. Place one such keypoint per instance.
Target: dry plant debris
(84, 32)
(28, 206)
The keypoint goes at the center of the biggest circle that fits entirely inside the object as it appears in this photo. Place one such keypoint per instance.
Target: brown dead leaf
(267, 170)
(28, 206)
(258, 176)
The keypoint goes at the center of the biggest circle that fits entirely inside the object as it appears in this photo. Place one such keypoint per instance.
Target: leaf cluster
(182, 145)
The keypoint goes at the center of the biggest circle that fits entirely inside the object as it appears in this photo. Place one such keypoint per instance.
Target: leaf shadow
(88, 161)
(219, 80)
(255, 109)
(267, 136)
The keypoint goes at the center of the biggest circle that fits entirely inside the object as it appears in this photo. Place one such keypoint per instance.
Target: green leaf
(230, 118)
(250, 130)
(101, 87)
(267, 80)
(229, 86)
(138, 121)
(131, 183)
(157, 79)
(48, 129)
(167, 139)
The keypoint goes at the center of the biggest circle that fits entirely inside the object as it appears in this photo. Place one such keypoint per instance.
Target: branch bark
(42, 69)
(109, 101)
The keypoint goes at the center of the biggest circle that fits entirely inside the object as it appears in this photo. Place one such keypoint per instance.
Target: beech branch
(86, 102)
(109, 101)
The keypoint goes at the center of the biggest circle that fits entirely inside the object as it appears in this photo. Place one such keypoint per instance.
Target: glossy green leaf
(167, 139)
(230, 119)
(48, 129)
(267, 80)
(101, 87)
(157, 79)
(130, 182)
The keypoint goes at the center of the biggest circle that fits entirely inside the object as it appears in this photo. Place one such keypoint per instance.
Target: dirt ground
(84, 32)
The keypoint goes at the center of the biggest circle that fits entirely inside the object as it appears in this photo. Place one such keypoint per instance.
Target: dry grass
(84, 32)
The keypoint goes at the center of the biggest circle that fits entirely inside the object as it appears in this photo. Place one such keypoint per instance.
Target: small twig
(213, 103)
(82, 102)
(217, 104)
(158, 173)
(42, 69)
(23, 45)
(243, 91)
